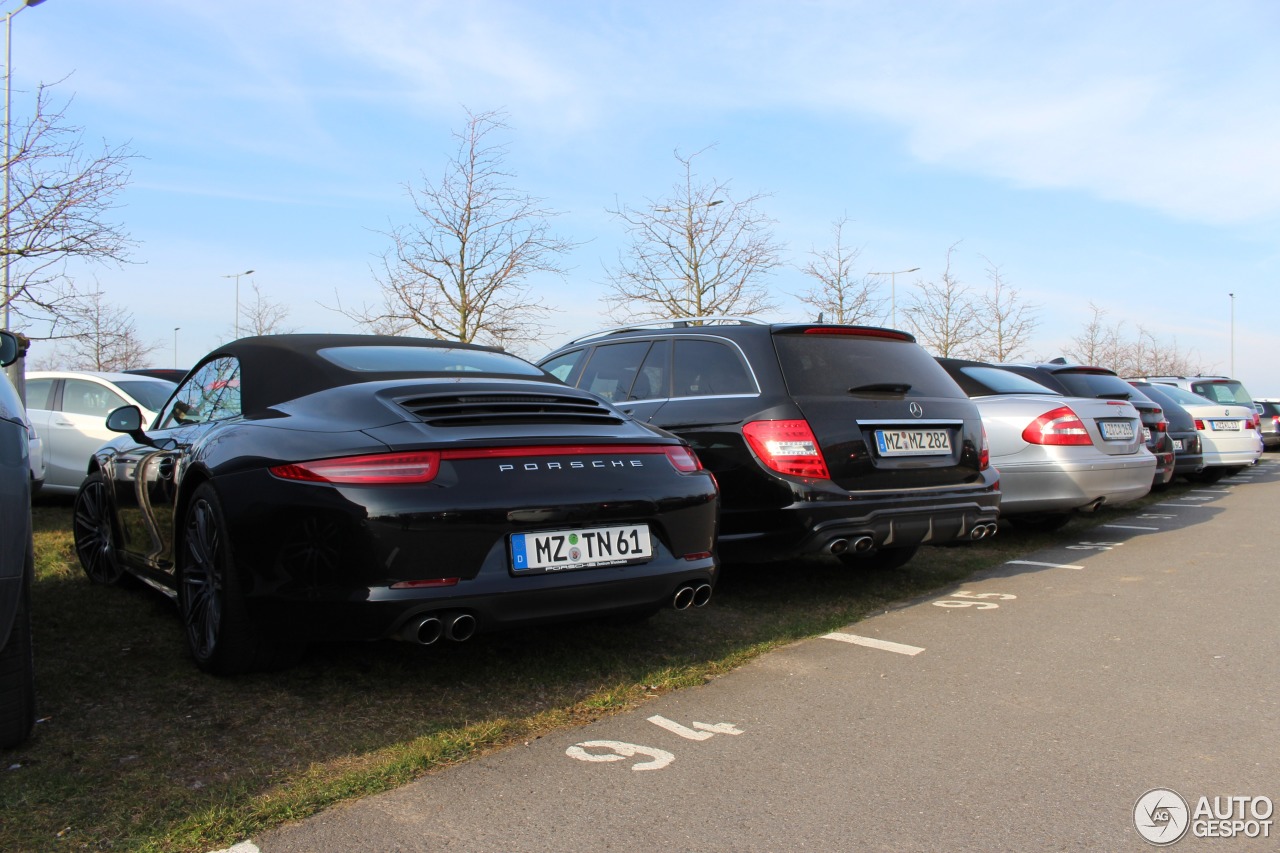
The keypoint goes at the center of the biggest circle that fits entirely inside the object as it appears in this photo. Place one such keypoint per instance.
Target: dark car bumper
(823, 516)
(321, 562)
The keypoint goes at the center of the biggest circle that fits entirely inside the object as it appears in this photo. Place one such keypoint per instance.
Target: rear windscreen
(1223, 391)
(832, 365)
(1104, 385)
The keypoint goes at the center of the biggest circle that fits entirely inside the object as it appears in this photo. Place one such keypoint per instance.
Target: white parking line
(1046, 565)
(872, 643)
(1197, 506)
(1130, 527)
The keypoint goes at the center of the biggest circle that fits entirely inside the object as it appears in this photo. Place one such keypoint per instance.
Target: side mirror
(9, 349)
(126, 419)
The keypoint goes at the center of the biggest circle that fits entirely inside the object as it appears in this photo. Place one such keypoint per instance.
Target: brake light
(683, 460)
(375, 469)
(1257, 421)
(984, 455)
(1199, 424)
(859, 333)
(1160, 426)
(384, 469)
(788, 447)
(1275, 422)
(1061, 426)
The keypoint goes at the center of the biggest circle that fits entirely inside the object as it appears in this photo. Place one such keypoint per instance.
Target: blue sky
(1125, 154)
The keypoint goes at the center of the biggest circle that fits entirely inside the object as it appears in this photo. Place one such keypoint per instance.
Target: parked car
(1228, 436)
(68, 410)
(846, 440)
(35, 449)
(1188, 450)
(1268, 409)
(1079, 380)
(173, 374)
(297, 488)
(17, 563)
(1055, 454)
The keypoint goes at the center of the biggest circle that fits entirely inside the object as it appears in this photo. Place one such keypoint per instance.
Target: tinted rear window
(1103, 385)
(393, 359)
(993, 380)
(1223, 391)
(830, 365)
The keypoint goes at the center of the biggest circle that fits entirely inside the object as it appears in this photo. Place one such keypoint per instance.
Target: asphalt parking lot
(1030, 708)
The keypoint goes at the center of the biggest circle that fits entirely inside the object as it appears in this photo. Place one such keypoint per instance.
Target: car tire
(17, 673)
(1041, 523)
(880, 560)
(94, 531)
(220, 634)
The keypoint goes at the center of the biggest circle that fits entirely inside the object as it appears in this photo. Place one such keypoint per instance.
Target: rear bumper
(891, 518)
(1067, 486)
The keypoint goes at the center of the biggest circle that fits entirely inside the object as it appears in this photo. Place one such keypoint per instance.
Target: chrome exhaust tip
(683, 598)
(460, 627)
(979, 531)
(863, 544)
(838, 546)
(702, 595)
(993, 528)
(424, 631)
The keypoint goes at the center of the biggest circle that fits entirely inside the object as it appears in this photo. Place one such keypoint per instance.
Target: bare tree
(1098, 343)
(841, 296)
(1005, 323)
(60, 200)
(695, 253)
(104, 337)
(459, 271)
(264, 317)
(942, 315)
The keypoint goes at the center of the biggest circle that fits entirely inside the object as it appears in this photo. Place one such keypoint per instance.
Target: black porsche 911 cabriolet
(298, 488)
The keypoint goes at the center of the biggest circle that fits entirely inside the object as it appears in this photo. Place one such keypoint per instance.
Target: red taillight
(1160, 426)
(788, 447)
(1058, 427)
(1257, 421)
(375, 469)
(1275, 422)
(984, 455)
(383, 469)
(858, 333)
(1199, 424)
(683, 460)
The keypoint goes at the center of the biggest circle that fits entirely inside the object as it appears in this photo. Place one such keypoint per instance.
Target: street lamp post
(1233, 334)
(893, 291)
(175, 345)
(8, 76)
(236, 276)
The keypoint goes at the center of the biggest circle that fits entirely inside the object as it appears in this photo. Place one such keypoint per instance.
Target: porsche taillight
(1061, 426)
(984, 455)
(388, 469)
(374, 469)
(788, 447)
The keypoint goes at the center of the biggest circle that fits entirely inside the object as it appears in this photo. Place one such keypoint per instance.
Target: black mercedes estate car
(848, 440)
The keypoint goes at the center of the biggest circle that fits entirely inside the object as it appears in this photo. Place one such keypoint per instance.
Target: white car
(1228, 433)
(68, 410)
(36, 453)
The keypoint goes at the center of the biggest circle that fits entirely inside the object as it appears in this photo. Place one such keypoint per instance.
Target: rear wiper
(881, 388)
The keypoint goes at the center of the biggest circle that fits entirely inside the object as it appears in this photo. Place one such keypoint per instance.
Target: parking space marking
(1038, 563)
(1197, 506)
(873, 643)
(1130, 527)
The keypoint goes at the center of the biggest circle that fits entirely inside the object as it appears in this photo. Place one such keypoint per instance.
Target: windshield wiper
(881, 388)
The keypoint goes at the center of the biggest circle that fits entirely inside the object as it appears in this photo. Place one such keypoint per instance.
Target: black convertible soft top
(277, 368)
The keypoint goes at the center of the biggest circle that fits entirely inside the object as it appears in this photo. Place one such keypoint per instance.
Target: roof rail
(674, 323)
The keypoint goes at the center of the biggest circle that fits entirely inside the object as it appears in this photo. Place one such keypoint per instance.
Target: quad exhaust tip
(691, 595)
(859, 545)
(428, 629)
(982, 531)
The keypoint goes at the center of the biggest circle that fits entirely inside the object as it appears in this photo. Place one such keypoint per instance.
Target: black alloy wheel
(220, 634)
(93, 528)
